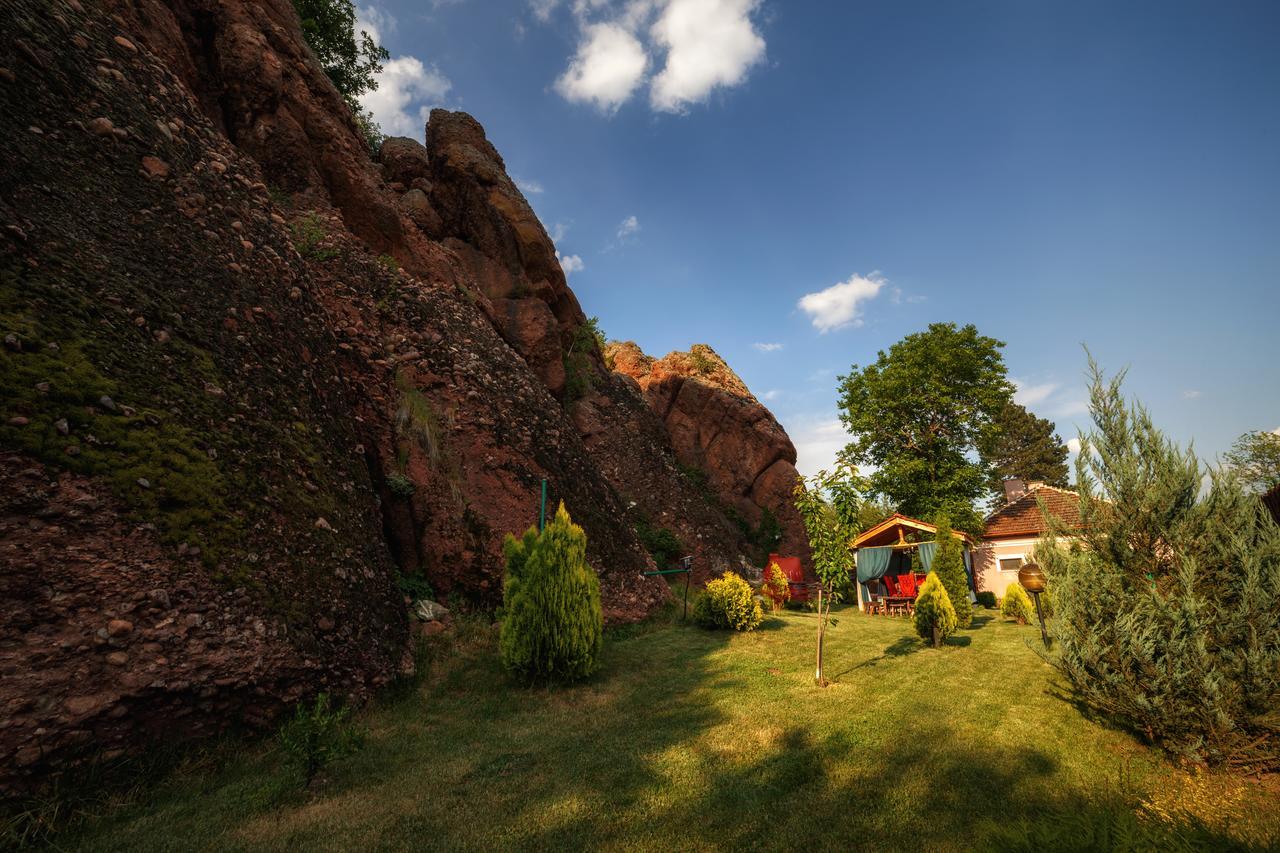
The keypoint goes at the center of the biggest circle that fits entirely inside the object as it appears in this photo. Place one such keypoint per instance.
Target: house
(1012, 531)
(885, 551)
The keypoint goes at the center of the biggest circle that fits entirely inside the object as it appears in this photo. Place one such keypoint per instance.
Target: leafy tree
(1167, 619)
(935, 618)
(831, 525)
(553, 627)
(1019, 444)
(917, 415)
(352, 62)
(1255, 459)
(948, 565)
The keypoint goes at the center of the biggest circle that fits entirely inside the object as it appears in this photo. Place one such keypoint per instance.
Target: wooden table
(903, 604)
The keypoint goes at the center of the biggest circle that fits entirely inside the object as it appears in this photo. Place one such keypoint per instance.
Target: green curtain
(928, 550)
(872, 564)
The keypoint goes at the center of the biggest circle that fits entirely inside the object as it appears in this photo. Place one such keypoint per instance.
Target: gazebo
(886, 549)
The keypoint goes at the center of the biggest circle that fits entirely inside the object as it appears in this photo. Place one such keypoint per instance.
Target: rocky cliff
(716, 425)
(253, 374)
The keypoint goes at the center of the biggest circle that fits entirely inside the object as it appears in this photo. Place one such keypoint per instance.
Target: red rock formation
(717, 426)
(230, 419)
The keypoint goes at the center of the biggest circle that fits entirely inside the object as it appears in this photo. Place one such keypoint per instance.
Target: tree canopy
(918, 414)
(1255, 459)
(1024, 446)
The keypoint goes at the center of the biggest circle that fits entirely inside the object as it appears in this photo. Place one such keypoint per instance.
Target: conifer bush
(1017, 604)
(728, 602)
(1167, 619)
(553, 627)
(948, 565)
(935, 616)
(775, 587)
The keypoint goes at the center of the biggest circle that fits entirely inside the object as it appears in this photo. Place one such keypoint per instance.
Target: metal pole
(1044, 635)
(542, 510)
(688, 572)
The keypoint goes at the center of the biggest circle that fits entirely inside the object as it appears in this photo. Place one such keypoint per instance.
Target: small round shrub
(1016, 604)
(552, 627)
(987, 599)
(935, 616)
(728, 602)
(400, 485)
(775, 587)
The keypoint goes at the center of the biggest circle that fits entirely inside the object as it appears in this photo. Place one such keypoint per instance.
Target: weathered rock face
(717, 426)
(251, 373)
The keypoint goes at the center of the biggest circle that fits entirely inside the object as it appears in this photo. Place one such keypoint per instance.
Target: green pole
(542, 511)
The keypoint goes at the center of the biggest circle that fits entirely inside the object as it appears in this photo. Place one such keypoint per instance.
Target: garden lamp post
(1031, 576)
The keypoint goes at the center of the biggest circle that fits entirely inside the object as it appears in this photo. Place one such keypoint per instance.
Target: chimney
(1014, 488)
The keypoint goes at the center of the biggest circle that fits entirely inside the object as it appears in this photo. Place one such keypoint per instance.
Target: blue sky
(826, 178)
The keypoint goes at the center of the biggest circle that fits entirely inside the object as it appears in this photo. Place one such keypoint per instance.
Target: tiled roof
(1022, 517)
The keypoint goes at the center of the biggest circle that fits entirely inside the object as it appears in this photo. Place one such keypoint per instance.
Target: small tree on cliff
(351, 60)
(948, 565)
(553, 627)
(829, 504)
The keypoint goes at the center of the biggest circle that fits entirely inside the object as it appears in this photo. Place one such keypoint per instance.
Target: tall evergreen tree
(1167, 619)
(553, 626)
(917, 415)
(948, 565)
(1019, 444)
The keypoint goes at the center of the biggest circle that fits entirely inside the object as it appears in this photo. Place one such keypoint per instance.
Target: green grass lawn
(689, 739)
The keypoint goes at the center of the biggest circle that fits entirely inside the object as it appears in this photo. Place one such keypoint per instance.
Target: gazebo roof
(894, 529)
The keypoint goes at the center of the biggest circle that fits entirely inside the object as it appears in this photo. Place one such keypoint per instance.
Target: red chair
(907, 583)
(891, 584)
(920, 579)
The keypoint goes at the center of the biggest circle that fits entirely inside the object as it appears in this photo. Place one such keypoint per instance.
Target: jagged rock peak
(700, 363)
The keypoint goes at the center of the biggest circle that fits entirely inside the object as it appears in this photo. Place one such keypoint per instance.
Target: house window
(1011, 564)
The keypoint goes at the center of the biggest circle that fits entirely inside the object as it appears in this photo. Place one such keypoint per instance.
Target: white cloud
(570, 263)
(375, 21)
(1028, 395)
(709, 44)
(628, 226)
(838, 305)
(528, 187)
(1073, 407)
(407, 88)
(558, 231)
(818, 440)
(767, 347)
(771, 395)
(1073, 445)
(609, 64)
(542, 9)
(1190, 394)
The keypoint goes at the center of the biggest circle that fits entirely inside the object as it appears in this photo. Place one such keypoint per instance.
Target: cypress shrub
(775, 587)
(1167, 619)
(553, 628)
(948, 565)
(987, 599)
(935, 616)
(1017, 604)
(728, 602)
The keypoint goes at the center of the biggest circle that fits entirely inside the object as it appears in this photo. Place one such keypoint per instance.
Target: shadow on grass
(624, 761)
(905, 645)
